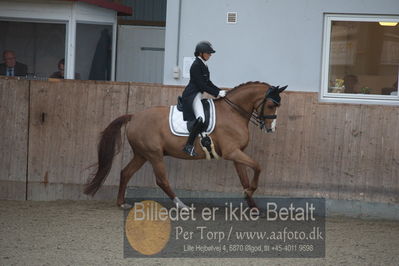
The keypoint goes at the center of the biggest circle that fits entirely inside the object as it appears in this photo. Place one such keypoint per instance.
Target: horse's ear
(274, 88)
(282, 88)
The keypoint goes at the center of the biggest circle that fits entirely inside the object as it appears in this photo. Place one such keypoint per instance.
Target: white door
(140, 55)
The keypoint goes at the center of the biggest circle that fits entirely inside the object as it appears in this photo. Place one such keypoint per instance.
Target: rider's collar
(203, 61)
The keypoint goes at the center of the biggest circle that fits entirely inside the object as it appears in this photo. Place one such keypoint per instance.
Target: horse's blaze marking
(274, 123)
(147, 236)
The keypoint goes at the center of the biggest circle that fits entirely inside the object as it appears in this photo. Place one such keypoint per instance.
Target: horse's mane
(247, 83)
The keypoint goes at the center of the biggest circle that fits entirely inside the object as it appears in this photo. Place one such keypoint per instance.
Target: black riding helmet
(203, 47)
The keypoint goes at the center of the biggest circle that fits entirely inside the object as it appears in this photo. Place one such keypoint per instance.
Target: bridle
(257, 118)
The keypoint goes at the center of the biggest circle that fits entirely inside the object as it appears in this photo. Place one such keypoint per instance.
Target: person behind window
(60, 73)
(350, 82)
(11, 67)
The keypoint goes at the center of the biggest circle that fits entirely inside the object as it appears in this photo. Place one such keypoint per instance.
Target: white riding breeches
(198, 108)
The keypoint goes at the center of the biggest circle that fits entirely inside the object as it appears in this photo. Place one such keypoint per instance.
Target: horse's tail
(108, 147)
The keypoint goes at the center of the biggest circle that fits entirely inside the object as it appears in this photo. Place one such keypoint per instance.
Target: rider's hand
(222, 93)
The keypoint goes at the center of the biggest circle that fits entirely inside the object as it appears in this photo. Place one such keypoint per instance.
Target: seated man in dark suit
(11, 67)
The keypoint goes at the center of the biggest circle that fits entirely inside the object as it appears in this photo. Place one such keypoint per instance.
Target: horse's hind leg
(132, 167)
(161, 178)
(163, 182)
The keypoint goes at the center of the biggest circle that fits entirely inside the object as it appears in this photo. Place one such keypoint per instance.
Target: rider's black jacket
(199, 82)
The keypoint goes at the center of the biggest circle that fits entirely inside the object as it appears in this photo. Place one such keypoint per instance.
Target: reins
(255, 118)
(251, 116)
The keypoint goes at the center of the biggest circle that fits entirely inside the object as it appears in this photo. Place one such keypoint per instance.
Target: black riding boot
(197, 129)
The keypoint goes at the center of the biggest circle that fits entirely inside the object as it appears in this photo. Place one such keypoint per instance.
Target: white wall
(276, 41)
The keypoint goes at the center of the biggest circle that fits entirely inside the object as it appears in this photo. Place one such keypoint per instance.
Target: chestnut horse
(149, 136)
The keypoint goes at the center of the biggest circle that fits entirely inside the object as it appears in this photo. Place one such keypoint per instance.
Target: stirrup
(189, 149)
(208, 147)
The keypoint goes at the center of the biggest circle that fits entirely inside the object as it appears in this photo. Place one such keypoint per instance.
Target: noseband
(258, 118)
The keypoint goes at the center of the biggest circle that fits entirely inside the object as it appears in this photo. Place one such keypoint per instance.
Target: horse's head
(257, 102)
(267, 108)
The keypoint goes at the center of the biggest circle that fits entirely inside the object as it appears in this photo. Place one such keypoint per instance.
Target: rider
(199, 83)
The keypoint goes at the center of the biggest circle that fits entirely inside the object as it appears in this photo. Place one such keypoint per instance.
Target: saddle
(205, 105)
(179, 127)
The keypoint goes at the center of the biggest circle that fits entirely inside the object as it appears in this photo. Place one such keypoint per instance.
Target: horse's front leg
(242, 174)
(241, 160)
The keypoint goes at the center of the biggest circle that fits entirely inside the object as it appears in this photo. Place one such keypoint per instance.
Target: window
(360, 59)
(37, 46)
(93, 52)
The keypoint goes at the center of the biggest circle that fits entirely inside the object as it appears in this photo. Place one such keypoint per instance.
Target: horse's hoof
(125, 206)
(247, 194)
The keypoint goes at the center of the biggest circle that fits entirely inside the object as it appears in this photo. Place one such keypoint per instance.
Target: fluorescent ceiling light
(391, 24)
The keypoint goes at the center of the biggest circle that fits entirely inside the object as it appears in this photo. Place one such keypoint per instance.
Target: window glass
(363, 58)
(93, 51)
(38, 47)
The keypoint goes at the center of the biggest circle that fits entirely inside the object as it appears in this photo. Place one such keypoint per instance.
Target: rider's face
(206, 56)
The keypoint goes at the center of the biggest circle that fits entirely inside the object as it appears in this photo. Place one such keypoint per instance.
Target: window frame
(326, 96)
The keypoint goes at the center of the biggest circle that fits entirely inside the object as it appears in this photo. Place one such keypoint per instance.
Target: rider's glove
(222, 93)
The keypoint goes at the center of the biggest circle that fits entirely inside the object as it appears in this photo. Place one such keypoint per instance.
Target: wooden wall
(65, 121)
(14, 113)
(51, 128)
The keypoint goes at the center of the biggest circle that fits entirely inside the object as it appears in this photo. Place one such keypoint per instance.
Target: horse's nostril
(269, 130)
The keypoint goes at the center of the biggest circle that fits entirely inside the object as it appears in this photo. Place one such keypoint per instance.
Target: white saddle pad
(179, 127)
